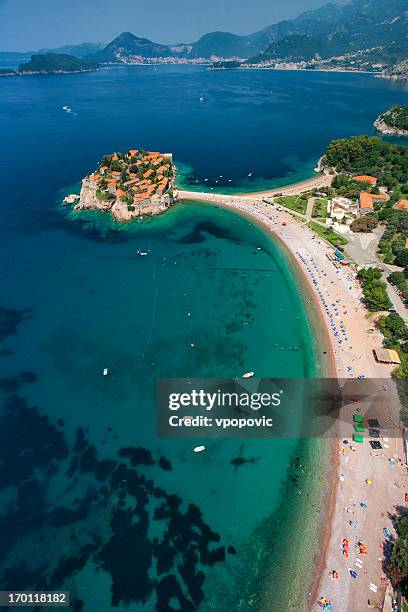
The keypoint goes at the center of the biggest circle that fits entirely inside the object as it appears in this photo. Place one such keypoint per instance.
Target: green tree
(402, 258)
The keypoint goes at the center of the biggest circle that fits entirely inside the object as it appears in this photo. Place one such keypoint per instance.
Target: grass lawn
(327, 234)
(320, 208)
(296, 203)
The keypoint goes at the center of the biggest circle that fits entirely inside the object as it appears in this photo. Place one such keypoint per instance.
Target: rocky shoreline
(44, 72)
(120, 210)
(386, 129)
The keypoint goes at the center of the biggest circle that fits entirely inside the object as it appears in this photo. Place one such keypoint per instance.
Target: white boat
(199, 449)
(250, 174)
(141, 253)
(67, 109)
(248, 375)
(105, 371)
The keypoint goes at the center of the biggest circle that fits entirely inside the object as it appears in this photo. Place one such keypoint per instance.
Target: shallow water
(109, 511)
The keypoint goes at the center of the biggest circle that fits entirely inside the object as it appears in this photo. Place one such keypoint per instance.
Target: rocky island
(394, 121)
(128, 185)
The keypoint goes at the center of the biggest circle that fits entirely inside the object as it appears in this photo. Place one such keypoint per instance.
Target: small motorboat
(67, 109)
(141, 253)
(199, 449)
(105, 371)
(248, 375)
(250, 174)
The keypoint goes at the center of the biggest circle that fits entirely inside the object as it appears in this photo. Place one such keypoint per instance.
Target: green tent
(359, 428)
(357, 418)
(357, 438)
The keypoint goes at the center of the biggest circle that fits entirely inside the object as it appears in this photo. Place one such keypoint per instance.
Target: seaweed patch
(106, 514)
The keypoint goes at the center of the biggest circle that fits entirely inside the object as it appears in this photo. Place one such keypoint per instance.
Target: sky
(28, 25)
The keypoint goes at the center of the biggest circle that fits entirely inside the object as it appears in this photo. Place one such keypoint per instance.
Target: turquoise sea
(91, 501)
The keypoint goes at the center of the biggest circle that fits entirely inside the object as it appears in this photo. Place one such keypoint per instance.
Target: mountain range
(377, 28)
(373, 26)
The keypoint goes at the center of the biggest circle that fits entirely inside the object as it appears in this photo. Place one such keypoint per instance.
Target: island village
(129, 185)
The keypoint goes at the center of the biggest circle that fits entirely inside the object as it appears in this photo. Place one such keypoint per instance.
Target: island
(394, 121)
(51, 63)
(128, 185)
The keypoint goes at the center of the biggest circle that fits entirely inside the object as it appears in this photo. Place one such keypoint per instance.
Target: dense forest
(55, 62)
(370, 155)
(396, 117)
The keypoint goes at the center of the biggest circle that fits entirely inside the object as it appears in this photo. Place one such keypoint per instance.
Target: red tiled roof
(367, 199)
(365, 178)
(402, 205)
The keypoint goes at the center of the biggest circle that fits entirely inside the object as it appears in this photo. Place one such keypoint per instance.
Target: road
(363, 249)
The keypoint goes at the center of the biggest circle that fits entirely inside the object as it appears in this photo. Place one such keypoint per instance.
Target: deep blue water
(87, 499)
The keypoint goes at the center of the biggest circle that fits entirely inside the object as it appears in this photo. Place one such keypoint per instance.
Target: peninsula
(51, 63)
(394, 121)
(128, 185)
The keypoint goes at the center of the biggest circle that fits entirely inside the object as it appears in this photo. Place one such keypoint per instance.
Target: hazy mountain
(324, 32)
(310, 22)
(127, 45)
(79, 50)
(224, 44)
(377, 27)
(333, 30)
(15, 55)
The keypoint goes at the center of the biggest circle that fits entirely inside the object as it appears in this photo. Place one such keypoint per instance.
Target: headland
(394, 122)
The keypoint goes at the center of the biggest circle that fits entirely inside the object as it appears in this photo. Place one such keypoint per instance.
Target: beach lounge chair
(358, 439)
(357, 418)
(359, 428)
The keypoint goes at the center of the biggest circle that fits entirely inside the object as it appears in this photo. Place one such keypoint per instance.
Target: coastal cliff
(128, 185)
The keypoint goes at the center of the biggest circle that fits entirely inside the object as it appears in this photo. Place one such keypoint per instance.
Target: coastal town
(128, 185)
